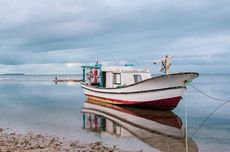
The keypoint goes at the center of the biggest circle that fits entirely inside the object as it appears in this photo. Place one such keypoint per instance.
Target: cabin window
(137, 78)
(117, 78)
(104, 79)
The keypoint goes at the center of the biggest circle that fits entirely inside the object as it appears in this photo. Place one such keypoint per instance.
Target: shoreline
(30, 142)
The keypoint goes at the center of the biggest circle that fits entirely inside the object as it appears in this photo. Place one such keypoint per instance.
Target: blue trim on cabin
(131, 65)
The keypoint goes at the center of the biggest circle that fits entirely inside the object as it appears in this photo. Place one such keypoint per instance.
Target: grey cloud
(121, 30)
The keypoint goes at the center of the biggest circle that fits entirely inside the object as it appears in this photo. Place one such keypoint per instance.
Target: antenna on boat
(97, 61)
(165, 64)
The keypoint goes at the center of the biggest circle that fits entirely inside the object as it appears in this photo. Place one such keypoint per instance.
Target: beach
(13, 142)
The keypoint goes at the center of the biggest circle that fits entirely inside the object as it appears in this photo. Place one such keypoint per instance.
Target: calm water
(38, 105)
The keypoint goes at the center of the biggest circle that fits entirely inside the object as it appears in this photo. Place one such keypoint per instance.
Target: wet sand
(13, 142)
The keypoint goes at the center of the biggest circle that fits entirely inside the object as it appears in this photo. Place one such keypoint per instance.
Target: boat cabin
(113, 76)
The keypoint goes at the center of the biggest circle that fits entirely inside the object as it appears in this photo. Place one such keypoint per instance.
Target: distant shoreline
(38, 74)
(15, 74)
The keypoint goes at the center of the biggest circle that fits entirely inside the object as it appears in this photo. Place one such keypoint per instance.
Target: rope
(206, 94)
(186, 116)
(186, 126)
(209, 116)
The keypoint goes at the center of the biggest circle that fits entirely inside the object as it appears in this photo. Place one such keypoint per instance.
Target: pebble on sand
(40, 143)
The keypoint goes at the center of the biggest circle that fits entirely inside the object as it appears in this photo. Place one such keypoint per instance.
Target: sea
(201, 121)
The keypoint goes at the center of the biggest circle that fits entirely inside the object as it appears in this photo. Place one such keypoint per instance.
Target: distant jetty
(41, 77)
(56, 80)
(67, 80)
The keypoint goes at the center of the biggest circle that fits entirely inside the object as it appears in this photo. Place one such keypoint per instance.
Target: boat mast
(165, 64)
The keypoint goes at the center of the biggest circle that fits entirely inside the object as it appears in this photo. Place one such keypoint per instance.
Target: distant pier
(56, 80)
(51, 77)
(67, 80)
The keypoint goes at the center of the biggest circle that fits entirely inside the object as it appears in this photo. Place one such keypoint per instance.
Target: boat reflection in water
(162, 130)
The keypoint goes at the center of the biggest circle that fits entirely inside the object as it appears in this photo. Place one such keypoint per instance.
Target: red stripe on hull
(166, 104)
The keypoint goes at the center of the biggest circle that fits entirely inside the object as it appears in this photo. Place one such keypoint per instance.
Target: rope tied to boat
(209, 116)
(214, 111)
(187, 82)
(228, 100)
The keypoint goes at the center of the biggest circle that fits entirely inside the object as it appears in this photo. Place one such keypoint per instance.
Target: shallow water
(38, 105)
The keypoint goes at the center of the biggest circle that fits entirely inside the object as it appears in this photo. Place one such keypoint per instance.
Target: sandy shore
(12, 142)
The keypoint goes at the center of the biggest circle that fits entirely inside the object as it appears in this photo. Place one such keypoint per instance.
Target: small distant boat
(126, 85)
(162, 130)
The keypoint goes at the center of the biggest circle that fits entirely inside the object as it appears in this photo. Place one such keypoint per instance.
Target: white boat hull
(162, 92)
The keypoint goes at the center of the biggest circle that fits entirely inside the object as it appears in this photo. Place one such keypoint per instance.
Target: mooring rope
(207, 94)
(209, 116)
(186, 126)
(186, 117)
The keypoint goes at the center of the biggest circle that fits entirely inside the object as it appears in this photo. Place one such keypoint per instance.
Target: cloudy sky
(47, 36)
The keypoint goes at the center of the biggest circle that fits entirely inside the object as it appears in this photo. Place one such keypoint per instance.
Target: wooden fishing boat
(131, 86)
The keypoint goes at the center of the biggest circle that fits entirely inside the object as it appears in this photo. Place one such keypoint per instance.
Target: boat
(161, 130)
(127, 85)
